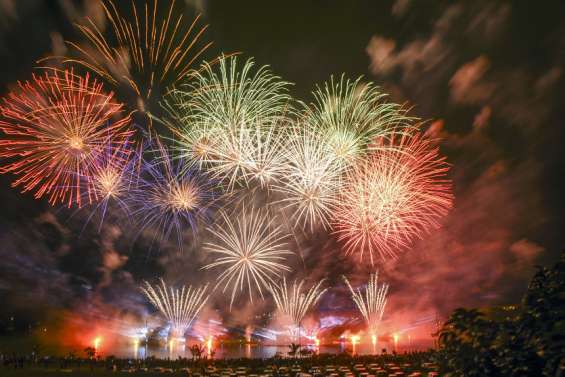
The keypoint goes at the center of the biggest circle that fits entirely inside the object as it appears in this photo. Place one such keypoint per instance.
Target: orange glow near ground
(97, 341)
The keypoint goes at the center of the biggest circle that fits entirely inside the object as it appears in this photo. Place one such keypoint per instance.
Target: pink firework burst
(397, 194)
(54, 129)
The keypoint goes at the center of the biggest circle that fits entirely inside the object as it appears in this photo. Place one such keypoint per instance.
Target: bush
(529, 344)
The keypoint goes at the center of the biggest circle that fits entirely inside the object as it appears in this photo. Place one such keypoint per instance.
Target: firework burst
(155, 49)
(233, 96)
(113, 176)
(250, 249)
(350, 115)
(170, 197)
(295, 302)
(248, 156)
(396, 195)
(55, 128)
(229, 121)
(371, 303)
(180, 307)
(312, 180)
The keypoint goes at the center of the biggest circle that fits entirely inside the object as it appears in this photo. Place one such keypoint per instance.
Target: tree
(528, 344)
(196, 350)
(466, 344)
(540, 328)
(293, 349)
(90, 354)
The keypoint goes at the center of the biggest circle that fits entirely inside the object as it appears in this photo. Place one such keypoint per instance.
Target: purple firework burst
(171, 196)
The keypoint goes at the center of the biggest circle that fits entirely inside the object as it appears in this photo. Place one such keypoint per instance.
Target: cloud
(489, 114)
(526, 251)
(464, 83)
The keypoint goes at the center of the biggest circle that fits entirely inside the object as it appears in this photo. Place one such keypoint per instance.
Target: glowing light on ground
(209, 346)
(371, 302)
(96, 343)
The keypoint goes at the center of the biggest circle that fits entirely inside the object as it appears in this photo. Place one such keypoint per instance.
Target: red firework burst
(55, 127)
(396, 195)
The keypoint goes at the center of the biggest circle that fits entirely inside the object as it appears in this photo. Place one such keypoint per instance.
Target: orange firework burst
(394, 196)
(55, 127)
(147, 52)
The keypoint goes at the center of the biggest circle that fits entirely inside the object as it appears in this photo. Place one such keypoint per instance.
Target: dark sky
(486, 76)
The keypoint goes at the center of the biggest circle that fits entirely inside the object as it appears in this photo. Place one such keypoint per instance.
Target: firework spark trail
(230, 121)
(350, 115)
(55, 128)
(312, 180)
(180, 307)
(371, 303)
(396, 195)
(169, 197)
(295, 302)
(250, 250)
(151, 54)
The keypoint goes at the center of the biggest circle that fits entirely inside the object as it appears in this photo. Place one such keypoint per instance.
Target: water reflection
(221, 351)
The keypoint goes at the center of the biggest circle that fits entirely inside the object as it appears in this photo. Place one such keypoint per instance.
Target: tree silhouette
(196, 351)
(293, 349)
(90, 354)
(529, 344)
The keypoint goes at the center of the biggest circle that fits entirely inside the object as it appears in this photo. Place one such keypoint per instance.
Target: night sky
(487, 77)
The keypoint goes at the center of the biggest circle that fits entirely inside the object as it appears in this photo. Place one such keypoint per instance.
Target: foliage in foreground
(531, 343)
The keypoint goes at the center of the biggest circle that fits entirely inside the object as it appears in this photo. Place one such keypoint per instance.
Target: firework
(250, 250)
(240, 157)
(397, 194)
(294, 303)
(55, 128)
(179, 306)
(233, 96)
(113, 175)
(154, 50)
(230, 121)
(350, 115)
(312, 180)
(248, 157)
(371, 303)
(169, 197)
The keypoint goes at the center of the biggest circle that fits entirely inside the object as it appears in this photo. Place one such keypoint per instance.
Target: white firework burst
(350, 114)
(312, 180)
(250, 250)
(229, 121)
